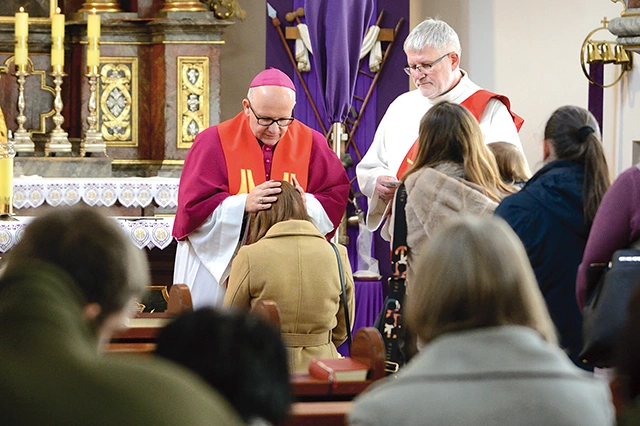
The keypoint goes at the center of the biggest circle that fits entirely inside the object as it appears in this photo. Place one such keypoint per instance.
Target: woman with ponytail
(554, 211)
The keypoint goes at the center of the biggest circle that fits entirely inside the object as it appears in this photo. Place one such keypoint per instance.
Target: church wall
(542, 70)
(243, 56)
(625, 123)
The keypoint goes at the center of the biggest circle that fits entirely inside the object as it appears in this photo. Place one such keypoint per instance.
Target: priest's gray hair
(433, 33)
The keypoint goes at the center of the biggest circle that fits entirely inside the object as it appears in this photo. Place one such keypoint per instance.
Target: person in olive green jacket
(66, 286)
(291, 263)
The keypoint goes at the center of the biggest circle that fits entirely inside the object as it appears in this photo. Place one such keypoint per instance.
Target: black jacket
(547, 215)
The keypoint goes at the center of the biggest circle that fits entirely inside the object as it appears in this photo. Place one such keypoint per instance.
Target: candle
(22, 23)
(93, 36)
(57, 38)
(6, 168)
(6, 180)
(93, 25)
(22, 33)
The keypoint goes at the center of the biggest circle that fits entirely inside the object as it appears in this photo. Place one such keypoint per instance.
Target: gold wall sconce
(604, 52)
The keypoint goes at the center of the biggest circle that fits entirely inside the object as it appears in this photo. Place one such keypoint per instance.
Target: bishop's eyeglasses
(268, 121)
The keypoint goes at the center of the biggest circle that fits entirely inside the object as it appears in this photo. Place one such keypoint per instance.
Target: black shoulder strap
(344, 294)
(392, 329)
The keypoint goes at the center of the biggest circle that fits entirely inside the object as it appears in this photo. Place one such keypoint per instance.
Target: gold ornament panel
(193, 98)
(118, 94)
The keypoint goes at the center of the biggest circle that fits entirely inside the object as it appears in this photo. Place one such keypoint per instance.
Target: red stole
(476, 104)
(245, 162)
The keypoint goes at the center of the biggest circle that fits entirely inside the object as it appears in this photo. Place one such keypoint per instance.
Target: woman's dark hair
(574, 134)
(238, 354)
(288, 206)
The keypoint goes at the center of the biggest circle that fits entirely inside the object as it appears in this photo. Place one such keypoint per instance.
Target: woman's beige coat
(295, 266)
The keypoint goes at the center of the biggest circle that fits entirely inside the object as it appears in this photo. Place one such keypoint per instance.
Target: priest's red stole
(476, 104)
(245, 162)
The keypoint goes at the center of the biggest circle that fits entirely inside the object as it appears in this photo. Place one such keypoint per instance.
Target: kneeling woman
(291, 263)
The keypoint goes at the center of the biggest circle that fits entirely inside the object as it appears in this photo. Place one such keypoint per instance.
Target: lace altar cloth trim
(144, 232)
(129, 192)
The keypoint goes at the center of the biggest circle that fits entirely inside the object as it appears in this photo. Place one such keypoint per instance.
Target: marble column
(627, 27)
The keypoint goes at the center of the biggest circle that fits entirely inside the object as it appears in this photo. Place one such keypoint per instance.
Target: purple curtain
(596, 93)
(336, 29)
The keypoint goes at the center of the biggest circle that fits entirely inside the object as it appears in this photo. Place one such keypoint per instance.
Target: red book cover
(338, 369)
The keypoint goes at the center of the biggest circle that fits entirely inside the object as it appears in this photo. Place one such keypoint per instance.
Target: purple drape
(336, 30)
(596, 93)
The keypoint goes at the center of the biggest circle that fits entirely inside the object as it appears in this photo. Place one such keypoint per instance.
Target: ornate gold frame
(130, 64)
(186, 89)
(42, 74)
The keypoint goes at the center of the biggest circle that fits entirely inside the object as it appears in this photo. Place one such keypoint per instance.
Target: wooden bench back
(269, 311)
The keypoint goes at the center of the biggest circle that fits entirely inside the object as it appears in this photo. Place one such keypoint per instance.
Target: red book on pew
(338, 369)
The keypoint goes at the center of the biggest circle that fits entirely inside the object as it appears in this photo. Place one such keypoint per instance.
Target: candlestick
(57, 41)
(21, 33)
(22, 138)
(57, 141)
(92, 142)
(93, 38)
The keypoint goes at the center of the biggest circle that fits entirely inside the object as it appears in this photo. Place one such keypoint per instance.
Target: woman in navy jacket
(553, 213)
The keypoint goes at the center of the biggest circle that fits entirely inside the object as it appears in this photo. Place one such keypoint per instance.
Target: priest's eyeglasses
(267, 121)
(424, 68)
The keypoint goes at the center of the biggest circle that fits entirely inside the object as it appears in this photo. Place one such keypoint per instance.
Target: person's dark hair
(574, 135)
(627, 354)
(288, 206)
(238, 354)
(450, 134)
(92, 248)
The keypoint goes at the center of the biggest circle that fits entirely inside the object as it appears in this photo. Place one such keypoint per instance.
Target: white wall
(529, 51)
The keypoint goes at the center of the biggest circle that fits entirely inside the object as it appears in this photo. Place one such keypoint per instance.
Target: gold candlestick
(22, 137)
(57, 141)
(92, 141)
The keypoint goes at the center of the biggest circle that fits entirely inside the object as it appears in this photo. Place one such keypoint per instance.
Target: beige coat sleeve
(339, 333)
(238, 291)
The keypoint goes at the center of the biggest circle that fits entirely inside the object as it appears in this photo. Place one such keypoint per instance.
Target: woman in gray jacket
(491, 354)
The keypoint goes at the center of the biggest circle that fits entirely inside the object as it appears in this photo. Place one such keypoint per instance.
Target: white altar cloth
(34, 191)
(143, 231)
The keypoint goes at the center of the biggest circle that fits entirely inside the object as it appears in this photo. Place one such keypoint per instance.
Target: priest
(433, 63)
(232, 171)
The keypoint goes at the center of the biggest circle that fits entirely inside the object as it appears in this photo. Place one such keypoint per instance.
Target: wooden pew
(140, 334)
(328, 413)
(368, 348)
(269, 311)
(320, 403)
